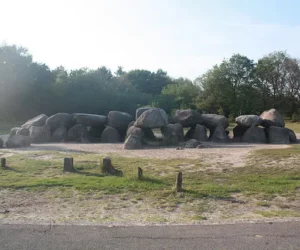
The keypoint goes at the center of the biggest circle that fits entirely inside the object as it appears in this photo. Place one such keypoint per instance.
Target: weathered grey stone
(192, 143)
(40, 134)
(23, 131)
(135, 131)
(18, 141)
(188, 118)
(219, 135)
(133, 142)
(110, 135)
(239, 131)
(78, 133)
(248, 120)
(266, 123)
(1, 143)
(292, 136)
(172, 134)
(255, 135)
(141, 111)
(59, 135)
(198, 132)
(119, 120)
(38, 121)
(274, 116)
(152, 118)
(278, 135)
(131, 124)
(91, 120)
(212, 121)
(59, 120)
(14, 131)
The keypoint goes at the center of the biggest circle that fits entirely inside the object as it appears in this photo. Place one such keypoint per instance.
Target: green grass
(259, 181)
(32, 173)
(295, 126)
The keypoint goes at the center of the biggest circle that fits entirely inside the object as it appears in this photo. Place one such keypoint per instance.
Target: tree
(225, 85)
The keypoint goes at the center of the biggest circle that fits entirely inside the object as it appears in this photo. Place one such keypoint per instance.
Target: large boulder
(140, 111)
(132, 142)
(152, 118)
(135, 131)
(23, 131)
(172, 134)
(239, 131)
(38, 121)
(59, 120)
(110, 135)
(78, 133)
(278, 135)
(255, 135)
(292, 136)
(274, 116)
(119, 120)
(14, 131)
(219, 134)
(199, 132)
(212, 121)
(19, 131)
(89, 119)
(40, 134)
(248, 120)
(18, 141)
(59, 134)
(187, 118)
(192, 143)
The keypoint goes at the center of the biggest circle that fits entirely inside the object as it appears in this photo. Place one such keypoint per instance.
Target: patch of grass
(276, 154)
(198, 217)
(263, 204)
(278, 213)
(295, 126)
(26, 171)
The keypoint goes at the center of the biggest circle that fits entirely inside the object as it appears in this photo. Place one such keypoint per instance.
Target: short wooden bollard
(140, 173)
(179, 182)
(3, 163)
(107, 167)
(68, 165)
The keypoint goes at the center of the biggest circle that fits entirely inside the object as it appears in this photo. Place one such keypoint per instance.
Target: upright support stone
(3, 163)
(140, 173)
(107, 167)
(68, 165)
(179, 182)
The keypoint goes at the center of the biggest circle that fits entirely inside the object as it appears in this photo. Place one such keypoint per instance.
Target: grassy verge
(261, 181)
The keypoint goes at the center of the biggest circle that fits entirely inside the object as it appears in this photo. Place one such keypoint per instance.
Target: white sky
(185, 38)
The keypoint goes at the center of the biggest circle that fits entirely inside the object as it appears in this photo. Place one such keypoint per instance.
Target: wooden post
(107, 167)
(3, 162)
(140, 173)
(68, 165)
(179, 182)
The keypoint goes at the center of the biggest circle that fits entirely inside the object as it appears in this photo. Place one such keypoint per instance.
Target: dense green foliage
(235, 86)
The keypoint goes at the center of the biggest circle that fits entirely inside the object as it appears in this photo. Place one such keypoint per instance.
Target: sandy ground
(232, 154)
(26, 207)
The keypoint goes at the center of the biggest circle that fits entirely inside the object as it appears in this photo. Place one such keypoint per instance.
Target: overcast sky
(184, 38)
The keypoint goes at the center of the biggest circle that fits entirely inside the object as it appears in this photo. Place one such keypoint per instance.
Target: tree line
(234, 87)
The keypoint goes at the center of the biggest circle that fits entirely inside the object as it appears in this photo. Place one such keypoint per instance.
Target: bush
(295, 118)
